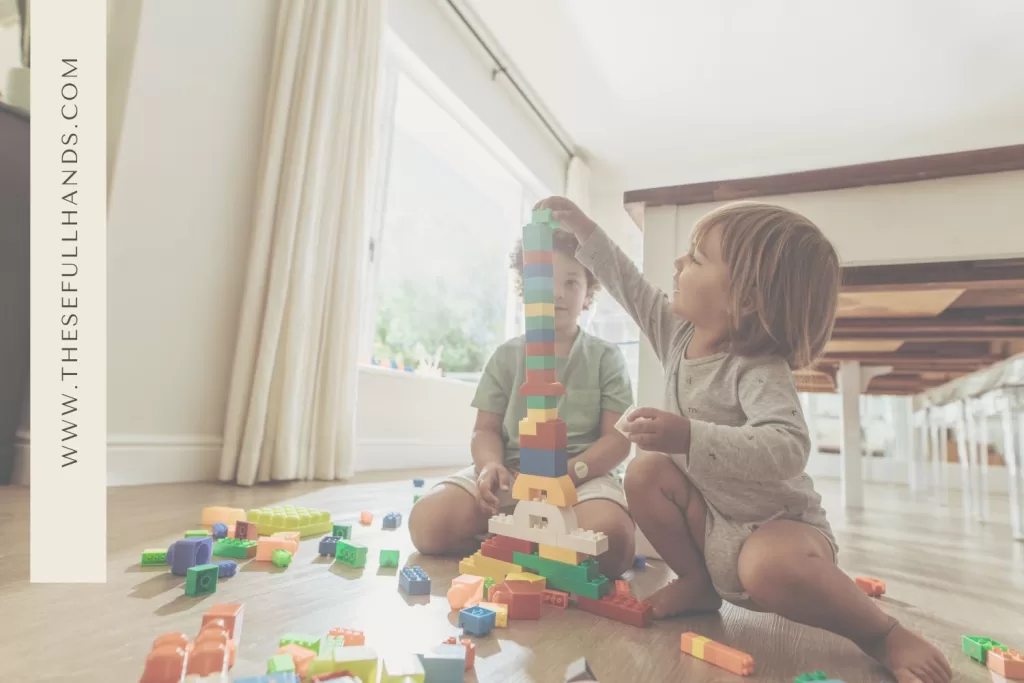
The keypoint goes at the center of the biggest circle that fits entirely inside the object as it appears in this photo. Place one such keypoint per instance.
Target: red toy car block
(870, 585)
(626, 609)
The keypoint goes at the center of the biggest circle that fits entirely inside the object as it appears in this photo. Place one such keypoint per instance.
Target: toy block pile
(542, 535)
(1005, 665)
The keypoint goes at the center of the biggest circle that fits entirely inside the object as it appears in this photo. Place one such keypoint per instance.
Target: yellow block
(500, 612)
(479, 564)
(558, 491)
(527, 426)
(541, 415)
(559, 554)
(531, 578)
(540, 309)
(698, 646)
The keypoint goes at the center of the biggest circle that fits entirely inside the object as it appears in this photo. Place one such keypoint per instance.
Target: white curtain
(577, 183)
(292, 402)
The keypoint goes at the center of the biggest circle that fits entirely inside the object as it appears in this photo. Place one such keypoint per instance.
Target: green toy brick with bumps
(389, 558)
(352, 554)
(153, 557)
(307, 521)
(280, 664)
(234, 547)
(201, 579)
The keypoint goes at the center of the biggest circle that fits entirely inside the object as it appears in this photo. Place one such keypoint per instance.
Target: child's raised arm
(645, 303)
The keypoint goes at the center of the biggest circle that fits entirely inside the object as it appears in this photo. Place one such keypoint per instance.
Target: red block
(502, 547)
(521, 605)
(622, 588)
(540, 348)
(531, 257)
(622, 608)
(551, 436)
(555, 598)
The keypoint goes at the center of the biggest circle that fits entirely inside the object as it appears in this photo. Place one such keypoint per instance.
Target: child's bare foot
(910, 658)
(684, 596)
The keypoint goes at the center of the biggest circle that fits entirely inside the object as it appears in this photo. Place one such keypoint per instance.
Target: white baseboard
(888, 471)
(134, 459)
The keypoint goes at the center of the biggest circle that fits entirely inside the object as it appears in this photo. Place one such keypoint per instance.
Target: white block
(559, 520)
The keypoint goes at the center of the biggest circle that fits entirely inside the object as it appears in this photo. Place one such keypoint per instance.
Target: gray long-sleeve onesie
(749, 442)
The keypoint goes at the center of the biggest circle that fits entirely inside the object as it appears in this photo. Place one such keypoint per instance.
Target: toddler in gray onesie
(720, 488)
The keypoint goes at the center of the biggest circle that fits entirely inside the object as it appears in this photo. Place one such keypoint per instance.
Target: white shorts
(607, 487)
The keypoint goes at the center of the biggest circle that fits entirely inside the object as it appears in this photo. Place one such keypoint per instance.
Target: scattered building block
(418, 483)
(722, 656)
(977, 647)
(502, 547)
(560, 554)
(288, 535)
(416, 498)
(444, 664)
(500, 613)
(300, 656)
(470, 650)
(572, 579)
(224, 515)
(639, 562)
(579, 672)
(303, 640)
(414, 581)
(196, 532)
(279, 663)
(477, 621)
(266, 546)
(622, 588)
(233, 547)
(306, 521)
(389, 558)
(871, 586)
(189, 552)
(1006, 662)
(349, 637)
(402, 669)
(351, 553)
(342, 531)
(552, 598)
(209, 657)
(392, 520)
(246, 531)
(226, 568)
(167, 659)
(153, 557)
(811, 676)
(329, 546)
(281, 677)
(481, 565)
(231, 614)
(219, 530)
(624, 608)
(366, 518)
(281, 558)
(466, 590)
(488, 582)
(521, 604)
(359, 659)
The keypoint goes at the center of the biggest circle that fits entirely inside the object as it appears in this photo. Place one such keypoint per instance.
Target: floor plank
(944, 578)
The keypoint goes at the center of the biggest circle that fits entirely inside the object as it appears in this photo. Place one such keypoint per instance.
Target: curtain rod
(500, 68)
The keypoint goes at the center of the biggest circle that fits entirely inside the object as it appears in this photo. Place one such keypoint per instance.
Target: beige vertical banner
(69, 292)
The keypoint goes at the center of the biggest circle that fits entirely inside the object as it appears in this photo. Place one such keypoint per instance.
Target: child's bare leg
(447, 521)
(608, 517)
(672, 514)
(787, 567)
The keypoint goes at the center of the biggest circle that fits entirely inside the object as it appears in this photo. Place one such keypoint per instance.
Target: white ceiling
(662, 92)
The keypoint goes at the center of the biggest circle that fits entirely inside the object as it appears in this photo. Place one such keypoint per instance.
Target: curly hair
(564, 242)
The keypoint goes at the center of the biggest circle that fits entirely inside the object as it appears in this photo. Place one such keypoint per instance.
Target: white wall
(192, 95)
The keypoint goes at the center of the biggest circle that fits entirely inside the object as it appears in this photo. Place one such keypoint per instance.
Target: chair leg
(963, 455)
(1013, 451)
(944, 464)
(985, 510)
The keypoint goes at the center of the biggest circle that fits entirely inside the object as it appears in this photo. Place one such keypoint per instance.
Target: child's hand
(569, 216)
(657, 430)
(491, 479)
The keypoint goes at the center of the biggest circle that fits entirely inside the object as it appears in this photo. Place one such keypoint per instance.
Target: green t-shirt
(595, 379)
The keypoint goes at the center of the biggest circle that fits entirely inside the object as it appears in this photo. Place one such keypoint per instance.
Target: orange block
(622, 588)
(470, 650)
(268, 544)
(722, 656)
(352, 638)
(872, 586)
(531, 257)
(1007, 663)
(231, 613)
(217, 631)
(466, 591)
(366, 518)
(557, 491)
(540, 348)
(166, 660)
(300, 656)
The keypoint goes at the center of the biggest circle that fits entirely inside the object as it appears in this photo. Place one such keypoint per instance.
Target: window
(449, 214)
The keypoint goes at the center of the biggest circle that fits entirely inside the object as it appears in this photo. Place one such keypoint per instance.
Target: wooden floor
(944, 579)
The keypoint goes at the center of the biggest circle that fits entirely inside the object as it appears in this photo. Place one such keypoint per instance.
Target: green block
(582, 572)
(196, 532)
(541, 216)
(812, 676)
(281, 558)
(302, 640)
(233, 547)
(541, 402)
(416, 497)
(538, 240)
(279, 663)
(540, 363)
(538, 296)
(540, 322)
(153, 557)
(329, 642)
(389, 558)
(352, 554)
(539, 283)
(977, 647)
(201, 579)
(342, 531)
(595, 588)
(488, 582)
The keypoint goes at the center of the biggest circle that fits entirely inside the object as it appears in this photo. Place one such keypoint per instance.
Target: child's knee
(649, 472)
(427, 529)
(611, 520)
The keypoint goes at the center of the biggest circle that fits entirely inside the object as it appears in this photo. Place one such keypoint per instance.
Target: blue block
(414, 581)
(220, 530)
(639, 562)
(539, 336)
(445, 664)
(477, 621)
(543, 463)
(544, 270)
(279, 677)
(189, 552)
(392, 520)
(226, 568)
(329, 546)
(418, 483)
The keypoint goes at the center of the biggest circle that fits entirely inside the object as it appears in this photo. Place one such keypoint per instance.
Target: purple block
(189, 552)
(226, 568)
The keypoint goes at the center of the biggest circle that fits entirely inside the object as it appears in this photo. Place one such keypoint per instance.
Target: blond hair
(784, 280)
